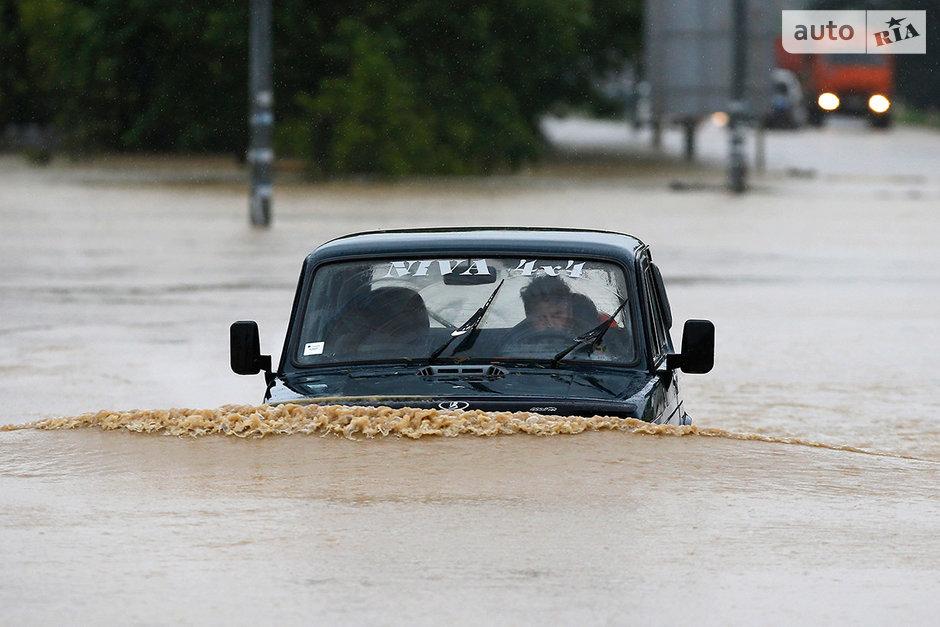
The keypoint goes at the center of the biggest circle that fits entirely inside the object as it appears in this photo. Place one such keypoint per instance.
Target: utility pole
(688, 126)
(260, 150)
(737, 174)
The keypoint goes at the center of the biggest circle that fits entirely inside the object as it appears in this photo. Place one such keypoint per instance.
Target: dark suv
(553, 321)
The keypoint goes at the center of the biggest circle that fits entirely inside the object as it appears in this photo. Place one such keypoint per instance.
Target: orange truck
(857, 84)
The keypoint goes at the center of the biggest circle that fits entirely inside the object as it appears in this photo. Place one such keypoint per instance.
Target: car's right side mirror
(698, 348)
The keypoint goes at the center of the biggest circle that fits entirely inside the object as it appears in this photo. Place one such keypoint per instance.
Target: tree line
(387, 86)
(360, 86)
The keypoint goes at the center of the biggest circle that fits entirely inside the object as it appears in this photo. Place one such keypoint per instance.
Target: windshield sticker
(528, 268)
(476, 267)
(313, 348)
(444, 266)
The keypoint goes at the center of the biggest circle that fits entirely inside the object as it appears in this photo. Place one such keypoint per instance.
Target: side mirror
(245, 348)
(698, 348)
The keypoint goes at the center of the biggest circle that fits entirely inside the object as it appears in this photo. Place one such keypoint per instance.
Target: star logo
(895, 22)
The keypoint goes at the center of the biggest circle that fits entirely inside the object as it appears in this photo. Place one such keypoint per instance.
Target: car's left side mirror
(698, 348)
(245, 348)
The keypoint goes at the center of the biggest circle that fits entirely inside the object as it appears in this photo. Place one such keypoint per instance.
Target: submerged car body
(553, 321)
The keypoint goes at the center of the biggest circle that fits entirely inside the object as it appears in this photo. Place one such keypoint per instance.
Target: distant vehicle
(553, 321)
(787, 104)
(856, 84)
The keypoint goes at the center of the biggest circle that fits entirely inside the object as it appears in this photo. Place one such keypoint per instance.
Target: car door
(656, 313)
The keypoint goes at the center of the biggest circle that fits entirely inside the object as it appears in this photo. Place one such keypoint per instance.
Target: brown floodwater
(609, 526)
(807, 490)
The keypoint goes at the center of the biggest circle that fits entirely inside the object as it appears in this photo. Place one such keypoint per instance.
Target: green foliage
(426, 86)
(369, 120)
(20, 99)
(140, 74)
(378, 117)
(394, 87)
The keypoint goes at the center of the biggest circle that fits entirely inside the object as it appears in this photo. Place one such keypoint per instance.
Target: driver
(548, 303)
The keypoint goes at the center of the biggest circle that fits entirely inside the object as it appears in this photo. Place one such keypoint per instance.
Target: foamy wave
(349, 422)
(247, 421)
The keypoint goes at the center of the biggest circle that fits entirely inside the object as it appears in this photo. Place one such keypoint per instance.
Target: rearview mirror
(465, 273)
(698, 348)
(245, 348)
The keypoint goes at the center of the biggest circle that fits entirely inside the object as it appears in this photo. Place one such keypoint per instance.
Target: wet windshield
(480, 309)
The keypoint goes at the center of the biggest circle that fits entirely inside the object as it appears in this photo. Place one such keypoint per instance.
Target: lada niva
(552, 321)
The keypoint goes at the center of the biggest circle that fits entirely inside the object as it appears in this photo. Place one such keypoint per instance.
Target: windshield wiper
(469, 325)
(593, 336)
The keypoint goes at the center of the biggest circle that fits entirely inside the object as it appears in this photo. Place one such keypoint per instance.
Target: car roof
(476, 240)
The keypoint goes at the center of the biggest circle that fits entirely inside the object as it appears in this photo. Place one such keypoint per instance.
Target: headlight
(878, 103)
(828, 101)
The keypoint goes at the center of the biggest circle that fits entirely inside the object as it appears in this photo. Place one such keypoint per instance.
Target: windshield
(480, 309)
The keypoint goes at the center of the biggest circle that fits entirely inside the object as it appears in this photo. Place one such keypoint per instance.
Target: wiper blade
(593, 336)
(471, 324)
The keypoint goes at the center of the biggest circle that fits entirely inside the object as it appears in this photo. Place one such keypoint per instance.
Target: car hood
(557, 391)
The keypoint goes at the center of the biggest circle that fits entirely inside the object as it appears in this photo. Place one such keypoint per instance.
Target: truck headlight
(828, 101)
(878, 103)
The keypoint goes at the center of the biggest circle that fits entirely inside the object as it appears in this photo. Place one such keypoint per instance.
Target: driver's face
(546, 315)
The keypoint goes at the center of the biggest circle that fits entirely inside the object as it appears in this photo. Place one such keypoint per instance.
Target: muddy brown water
(808, 488)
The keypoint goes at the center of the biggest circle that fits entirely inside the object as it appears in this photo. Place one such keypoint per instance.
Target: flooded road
(118, 287)
(601, 528)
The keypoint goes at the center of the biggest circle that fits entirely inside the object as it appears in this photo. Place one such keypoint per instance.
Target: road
(120, 277)
(845, 152)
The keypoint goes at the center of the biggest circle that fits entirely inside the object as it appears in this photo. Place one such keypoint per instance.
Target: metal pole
(760, 149)
(688, 125)
(260, 151)
(736, 165)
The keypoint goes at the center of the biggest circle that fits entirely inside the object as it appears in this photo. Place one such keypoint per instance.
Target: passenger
(588, 317)
(387, 319)
(549, 304)
(585, 312)
(552, 311)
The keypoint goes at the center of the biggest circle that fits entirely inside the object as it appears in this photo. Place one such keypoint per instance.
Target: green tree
(140, 74)
(21, 101)
(393, 86)
(467, 81)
